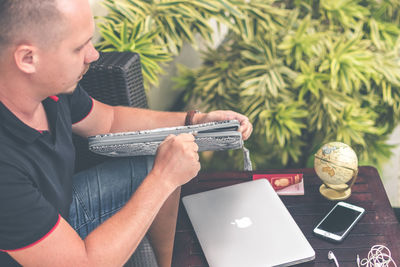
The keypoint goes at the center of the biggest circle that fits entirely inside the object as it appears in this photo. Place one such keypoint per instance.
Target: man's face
(62, 66)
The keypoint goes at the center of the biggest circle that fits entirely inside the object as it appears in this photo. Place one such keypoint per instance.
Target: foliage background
(306, 72)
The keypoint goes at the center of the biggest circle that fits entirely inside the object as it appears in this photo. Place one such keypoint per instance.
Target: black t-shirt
(36, 168)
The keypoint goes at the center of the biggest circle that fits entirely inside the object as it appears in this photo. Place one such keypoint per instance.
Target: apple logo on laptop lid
(243, 222)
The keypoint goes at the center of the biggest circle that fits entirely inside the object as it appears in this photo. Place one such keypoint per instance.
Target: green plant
(157, 29)
(304, 71)
(326, 70)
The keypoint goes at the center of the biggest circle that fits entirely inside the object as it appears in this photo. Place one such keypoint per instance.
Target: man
(48, 217)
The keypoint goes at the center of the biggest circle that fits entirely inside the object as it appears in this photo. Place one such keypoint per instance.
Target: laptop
(246, 225)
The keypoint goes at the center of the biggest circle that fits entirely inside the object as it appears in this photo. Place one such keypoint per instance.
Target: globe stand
(333, 194)
(340, 191)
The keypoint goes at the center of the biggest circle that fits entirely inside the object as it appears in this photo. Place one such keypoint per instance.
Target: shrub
(326, 71)
(305, 72)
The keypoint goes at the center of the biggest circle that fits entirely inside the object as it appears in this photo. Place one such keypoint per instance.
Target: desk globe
(336, 164)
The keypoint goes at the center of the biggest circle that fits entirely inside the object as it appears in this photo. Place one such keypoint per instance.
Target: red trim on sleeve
(54, 97)
(90, 111)
(41, 239)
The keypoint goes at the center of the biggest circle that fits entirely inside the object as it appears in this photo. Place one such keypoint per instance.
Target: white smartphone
(339, 221)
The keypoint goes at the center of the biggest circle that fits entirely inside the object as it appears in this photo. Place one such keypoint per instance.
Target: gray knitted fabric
(247, 166)
(143, 256)
(221, 135)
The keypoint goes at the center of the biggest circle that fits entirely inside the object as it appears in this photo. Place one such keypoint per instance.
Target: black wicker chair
(115, 79)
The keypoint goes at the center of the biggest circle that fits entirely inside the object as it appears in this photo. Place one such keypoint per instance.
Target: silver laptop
(246, 225)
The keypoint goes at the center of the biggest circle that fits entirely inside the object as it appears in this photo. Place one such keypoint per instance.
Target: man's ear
(26, 58)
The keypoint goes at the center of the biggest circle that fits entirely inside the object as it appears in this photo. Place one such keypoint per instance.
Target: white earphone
(332, 256)
(378, 256)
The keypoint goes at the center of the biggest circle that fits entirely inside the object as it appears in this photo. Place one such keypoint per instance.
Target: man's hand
(220, 115)
(177, 160)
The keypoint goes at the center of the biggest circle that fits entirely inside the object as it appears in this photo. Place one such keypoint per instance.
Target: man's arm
(112, 243)
(109, 119)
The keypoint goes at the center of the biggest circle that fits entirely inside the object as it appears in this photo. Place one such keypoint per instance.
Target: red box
(281, 180)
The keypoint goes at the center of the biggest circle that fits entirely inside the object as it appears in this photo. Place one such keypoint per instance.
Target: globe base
(332, 194)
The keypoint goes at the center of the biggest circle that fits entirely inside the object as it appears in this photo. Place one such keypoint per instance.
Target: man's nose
(92, 54)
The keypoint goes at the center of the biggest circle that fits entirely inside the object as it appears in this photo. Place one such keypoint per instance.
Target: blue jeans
(101, 191)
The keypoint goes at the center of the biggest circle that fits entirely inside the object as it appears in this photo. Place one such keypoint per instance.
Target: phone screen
(339, 220)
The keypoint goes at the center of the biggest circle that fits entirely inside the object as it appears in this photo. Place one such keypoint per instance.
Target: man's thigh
(101, 191)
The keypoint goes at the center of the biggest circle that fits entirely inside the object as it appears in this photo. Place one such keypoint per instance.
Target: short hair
(28, 20)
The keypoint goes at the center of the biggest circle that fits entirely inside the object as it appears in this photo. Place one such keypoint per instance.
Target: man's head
(48, 42)
(32, 21)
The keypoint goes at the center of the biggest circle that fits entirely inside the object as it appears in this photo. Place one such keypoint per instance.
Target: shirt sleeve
(26, 217)
(81, 104)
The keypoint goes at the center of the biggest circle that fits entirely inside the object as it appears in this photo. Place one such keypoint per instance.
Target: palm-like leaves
(217, 83)
(171, 23)
(346, 13)
(125, 36)
(322, 75)
(305, 72)
(349, 62)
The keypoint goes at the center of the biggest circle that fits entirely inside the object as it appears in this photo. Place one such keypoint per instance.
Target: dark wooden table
(378, 226)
